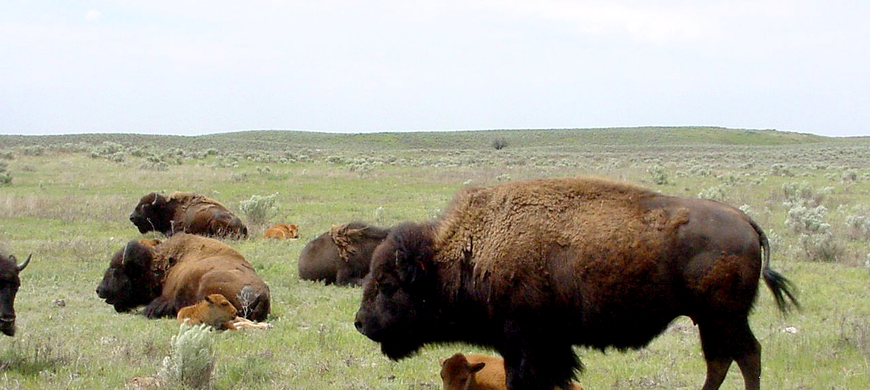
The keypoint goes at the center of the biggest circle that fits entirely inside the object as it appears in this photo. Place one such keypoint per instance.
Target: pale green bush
(259, 209)
(858, 227)
(191, 360)
(716, 193)
(657, 174)
(805, 220)
(822, 247)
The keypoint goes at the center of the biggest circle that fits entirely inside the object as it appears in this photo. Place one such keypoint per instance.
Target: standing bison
(532, 268)
(9, 284)
(341, 255)
(180, 272)
(186, 212)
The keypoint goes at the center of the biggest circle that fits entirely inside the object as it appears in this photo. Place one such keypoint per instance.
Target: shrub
(716, 193)
(804, 193)
(191, 360)
(5, 176)
(259, 209)
(821, 247)
(849, 175)
(805, 220)
(657, 174)
(6, 155)
(499, 143)
(858, 227)
(34, 150)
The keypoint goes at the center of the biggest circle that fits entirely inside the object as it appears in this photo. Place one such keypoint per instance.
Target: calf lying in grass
(477, 372)
(216, 311)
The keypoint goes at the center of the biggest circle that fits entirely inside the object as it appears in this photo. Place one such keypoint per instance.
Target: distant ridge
(280, 140)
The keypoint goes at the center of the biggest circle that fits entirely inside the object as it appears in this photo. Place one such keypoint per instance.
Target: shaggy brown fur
(180, 272)
(214, 310)
(282, 231)
(531, 268)
(478, 372)
(186, 212)
(341, 255)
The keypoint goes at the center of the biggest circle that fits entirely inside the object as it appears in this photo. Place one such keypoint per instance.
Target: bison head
(129, 281)
(398, 308)
(9, 284)
(152, 214)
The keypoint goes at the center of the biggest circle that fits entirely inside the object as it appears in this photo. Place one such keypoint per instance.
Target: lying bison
(180, 272)
(341, 255)
(9, 284)
(532, 268)
(186, 212)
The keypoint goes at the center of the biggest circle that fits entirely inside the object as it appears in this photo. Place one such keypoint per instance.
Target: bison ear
(136, 255)
(441, 361)
(208, 299)
(415, 258)
(477, 367)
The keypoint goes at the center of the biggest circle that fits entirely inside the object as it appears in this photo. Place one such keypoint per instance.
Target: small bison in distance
(186, 212)
(9, 284)
(477, 372)
(180, 272)
(282, 231)
(533, 268)
(341, 255)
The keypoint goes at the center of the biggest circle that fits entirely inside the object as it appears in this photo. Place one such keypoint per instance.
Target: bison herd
(529, 269)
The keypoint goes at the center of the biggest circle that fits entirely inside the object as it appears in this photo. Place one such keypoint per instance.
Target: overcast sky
(185, 67)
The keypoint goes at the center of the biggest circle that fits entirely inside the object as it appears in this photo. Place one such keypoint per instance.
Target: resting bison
(9, 284)
(341, 255)
(282, 231)
(214, 310)
(180, 272)
(532, 268)
(186, 212)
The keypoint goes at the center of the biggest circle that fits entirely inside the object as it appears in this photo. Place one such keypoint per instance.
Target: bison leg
(160, 307)
(534, 364)
(725, 342)
(346, 277)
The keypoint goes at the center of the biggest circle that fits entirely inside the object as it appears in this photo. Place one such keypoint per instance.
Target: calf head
(457, 373)
(153, 213)
(397, 308)
(9, 284)
(129, 281)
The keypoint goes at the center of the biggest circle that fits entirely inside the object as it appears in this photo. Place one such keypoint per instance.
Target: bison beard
(533, 268)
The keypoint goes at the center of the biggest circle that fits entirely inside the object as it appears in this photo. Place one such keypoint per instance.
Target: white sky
(197, 67)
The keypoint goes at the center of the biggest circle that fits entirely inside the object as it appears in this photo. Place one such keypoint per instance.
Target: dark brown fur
(9, 285)
(186, 212)
(342, 255)
(180, 272)
(533, 268)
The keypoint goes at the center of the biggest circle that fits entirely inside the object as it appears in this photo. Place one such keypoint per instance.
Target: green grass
(71, 211)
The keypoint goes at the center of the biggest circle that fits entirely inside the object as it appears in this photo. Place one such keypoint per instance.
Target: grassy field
(69, 197)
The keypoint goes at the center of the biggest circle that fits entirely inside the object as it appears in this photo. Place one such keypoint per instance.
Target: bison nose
(358, 325)
(132, 217)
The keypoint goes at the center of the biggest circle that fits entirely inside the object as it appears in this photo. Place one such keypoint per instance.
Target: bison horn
(23, 265)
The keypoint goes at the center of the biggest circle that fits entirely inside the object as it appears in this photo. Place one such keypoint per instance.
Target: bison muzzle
(9, 285)
(533, 268)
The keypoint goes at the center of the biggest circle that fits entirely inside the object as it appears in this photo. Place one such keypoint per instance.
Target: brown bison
(186, 212)
(282, 231)
(477, 372)
(341, 255)
(9, 284)
(180, 272)
(532, 268)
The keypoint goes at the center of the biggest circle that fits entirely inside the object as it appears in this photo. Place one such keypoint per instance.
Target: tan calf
(477, 372)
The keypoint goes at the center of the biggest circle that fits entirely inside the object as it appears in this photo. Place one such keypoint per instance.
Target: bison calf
(180, 272)
(282, 231)
(9, 284)
(477, 372)
(341, 255)
(186, 212)
(533, 268)
(214, 310)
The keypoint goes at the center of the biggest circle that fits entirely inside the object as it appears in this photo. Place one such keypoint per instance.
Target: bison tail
(781, 288)
(778, 284)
